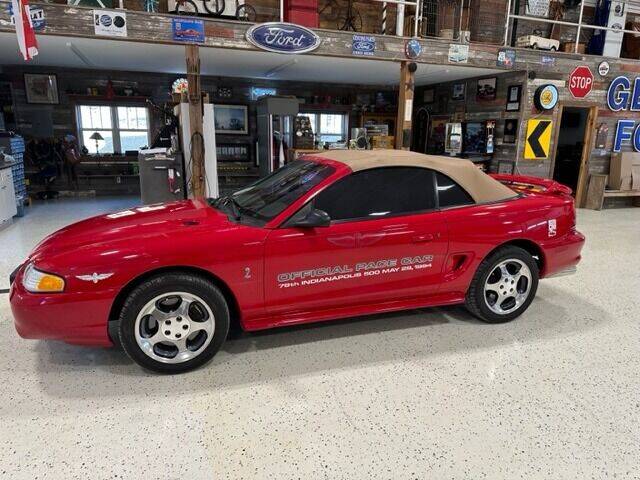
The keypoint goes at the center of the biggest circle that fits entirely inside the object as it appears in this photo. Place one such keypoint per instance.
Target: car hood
(129, 230)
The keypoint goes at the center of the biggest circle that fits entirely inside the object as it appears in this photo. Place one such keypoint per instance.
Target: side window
(450, 194)
(378, 193)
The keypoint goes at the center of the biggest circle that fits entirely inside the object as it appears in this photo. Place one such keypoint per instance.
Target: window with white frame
(104, 129)
(328, 127)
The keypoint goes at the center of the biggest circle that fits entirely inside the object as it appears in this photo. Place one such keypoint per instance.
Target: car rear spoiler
(524, 183)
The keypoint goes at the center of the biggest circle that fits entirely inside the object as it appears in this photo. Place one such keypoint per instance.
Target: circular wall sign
(603, 69)
(546, 97)
(119, 21)
(412, 48)
(106, 20)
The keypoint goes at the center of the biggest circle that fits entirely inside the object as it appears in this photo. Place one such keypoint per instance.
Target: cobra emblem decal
(94, 277)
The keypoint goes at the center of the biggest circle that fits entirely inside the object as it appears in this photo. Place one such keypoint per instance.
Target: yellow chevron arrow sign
(538, 139)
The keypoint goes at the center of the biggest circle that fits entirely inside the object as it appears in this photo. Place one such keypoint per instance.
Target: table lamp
(97, 137)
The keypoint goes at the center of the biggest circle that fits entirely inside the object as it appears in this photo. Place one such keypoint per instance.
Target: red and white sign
(581, 82)
(27, 42)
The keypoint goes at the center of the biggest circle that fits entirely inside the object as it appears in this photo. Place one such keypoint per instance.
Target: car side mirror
(315, 218)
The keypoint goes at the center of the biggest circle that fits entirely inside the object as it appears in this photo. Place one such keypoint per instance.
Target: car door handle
(427, 237)
(345, 241)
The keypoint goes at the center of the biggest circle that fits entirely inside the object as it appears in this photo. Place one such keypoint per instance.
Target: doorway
(571, 155)
(573, 125)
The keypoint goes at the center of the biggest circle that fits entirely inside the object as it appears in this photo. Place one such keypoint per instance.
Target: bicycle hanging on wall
(217, 8)
(348, 19)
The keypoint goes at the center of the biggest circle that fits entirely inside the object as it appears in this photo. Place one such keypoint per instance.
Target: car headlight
(35, 281)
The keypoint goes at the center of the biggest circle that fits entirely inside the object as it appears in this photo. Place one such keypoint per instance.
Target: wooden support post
(195, 122)
(405, 107)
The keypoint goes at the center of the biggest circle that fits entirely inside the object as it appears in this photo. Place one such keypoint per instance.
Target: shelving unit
(14, 145)
(235, 175)
(112, 175)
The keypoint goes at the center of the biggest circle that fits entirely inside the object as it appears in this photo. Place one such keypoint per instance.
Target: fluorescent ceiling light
(83, 58)
(279, 68)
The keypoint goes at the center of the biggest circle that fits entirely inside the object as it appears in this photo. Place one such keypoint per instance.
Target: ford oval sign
(283, 37)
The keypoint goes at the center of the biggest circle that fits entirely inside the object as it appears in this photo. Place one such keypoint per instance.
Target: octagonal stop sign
(581, 81)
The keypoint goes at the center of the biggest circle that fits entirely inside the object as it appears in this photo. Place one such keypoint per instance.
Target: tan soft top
(480, 186)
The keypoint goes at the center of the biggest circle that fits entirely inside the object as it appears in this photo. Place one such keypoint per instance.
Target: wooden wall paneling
(480, 110)
(595, 193)
(156, 28)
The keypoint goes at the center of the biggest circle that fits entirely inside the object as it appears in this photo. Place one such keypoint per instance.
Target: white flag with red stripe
(24, 29)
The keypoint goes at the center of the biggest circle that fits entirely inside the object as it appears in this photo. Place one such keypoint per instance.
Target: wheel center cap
(176, 328)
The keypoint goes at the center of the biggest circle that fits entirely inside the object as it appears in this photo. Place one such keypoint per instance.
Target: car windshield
(271, 195)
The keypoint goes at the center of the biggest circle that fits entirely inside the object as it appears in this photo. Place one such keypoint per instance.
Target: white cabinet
(7, 196)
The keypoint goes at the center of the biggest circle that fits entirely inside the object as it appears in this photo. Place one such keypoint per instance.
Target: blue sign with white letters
(413, 48)
(547, 61)
(37, 17)
(363, 45)
(620, 96)
(283, 38)
(257, 92)
(187, 30)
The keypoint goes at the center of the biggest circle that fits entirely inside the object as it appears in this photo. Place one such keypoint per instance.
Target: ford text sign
(283, 38)
(624, 94)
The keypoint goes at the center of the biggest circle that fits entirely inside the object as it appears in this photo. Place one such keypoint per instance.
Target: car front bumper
(77, 318)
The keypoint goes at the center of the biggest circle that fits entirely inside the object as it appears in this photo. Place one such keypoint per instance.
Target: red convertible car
(333, 235)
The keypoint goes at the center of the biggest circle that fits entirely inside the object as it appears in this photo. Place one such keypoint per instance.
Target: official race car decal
(358, 270)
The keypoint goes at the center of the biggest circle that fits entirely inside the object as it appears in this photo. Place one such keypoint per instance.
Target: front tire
(174, 323)
(504, 285)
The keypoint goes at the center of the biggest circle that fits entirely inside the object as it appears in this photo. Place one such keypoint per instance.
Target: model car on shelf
(537, 43)
(332, 235)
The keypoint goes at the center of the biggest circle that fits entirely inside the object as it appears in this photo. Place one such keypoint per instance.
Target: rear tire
(504, 285)
(174, 323)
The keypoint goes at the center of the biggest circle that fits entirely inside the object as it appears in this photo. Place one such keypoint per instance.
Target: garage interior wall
(473, 110)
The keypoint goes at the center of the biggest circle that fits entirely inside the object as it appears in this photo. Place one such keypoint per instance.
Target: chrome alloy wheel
(174, 327)
(508, 286)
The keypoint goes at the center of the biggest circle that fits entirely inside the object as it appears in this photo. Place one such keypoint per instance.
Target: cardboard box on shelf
(624, 171)
(382, 141)
(569, 47)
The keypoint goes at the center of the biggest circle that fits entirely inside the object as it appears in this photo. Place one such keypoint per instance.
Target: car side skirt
(297, 318)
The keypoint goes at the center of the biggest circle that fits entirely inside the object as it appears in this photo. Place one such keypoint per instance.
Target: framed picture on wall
(510, 130)
(231, 119)
(513, 98)
(429, 95)
(458, 91)
(486, 89)
(41, 88)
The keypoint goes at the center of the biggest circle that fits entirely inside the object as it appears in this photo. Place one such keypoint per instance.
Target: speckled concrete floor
(427, 394)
